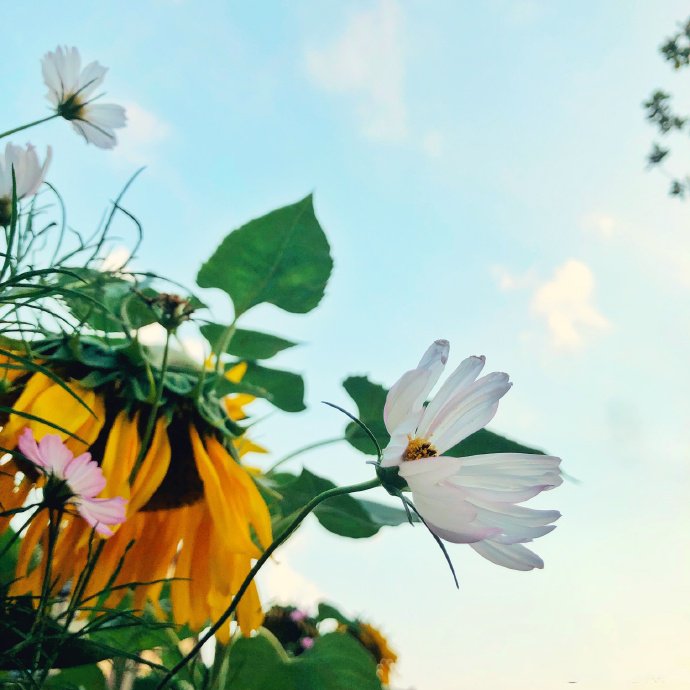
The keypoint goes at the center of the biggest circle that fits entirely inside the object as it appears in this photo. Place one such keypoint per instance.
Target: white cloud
(508, 281)
(433, 143)
(566, 304)
(602, 224)
(137, 142)
(367, 61)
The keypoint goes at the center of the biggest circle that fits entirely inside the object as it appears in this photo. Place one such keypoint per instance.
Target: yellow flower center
(418, 448)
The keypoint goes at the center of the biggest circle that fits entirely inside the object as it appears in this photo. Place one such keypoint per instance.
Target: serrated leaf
(282, 258)
(284, 389)
(247, 344)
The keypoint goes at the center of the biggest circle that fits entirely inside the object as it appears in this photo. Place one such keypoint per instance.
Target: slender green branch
(31, 124)
(304, 449)
(336, 491)
(222, 344)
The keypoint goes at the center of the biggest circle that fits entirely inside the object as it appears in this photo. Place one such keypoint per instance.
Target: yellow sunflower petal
(255, 505)
(35, 386)
(222, 498)
(152, 470)
(121, 452)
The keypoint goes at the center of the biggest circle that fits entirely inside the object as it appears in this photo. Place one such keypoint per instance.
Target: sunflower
(194, 512)
(375, 643)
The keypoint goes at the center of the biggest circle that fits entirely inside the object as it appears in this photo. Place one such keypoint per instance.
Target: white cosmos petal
(106, 115)
(465, 374)
(90, 79)
(405, 399)
(28, 171)
(469, 410)
(72, 87)
(470, 499)
(513, 556)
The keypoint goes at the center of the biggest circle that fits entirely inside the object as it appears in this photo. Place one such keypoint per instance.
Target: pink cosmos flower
(470, 500)
(82, 477)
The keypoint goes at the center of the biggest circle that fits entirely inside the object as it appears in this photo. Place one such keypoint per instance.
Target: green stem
(39, 623)
(336, 491)
(18, 533)
(151, 422)
(31, 124)
(304, 449)
(220, 347)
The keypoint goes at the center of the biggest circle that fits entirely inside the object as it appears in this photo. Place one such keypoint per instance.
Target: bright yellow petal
(36, 385)
(222, 498)
(121, 452)
(254, 505)
(152, 470)
(236, 373)
(250, 615)
(180, 588)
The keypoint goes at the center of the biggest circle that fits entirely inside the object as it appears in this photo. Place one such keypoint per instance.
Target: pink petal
(101, 512)
(56, 455)
(84, 476)
(28, 446)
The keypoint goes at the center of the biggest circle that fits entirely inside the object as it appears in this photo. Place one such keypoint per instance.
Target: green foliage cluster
(660, 110)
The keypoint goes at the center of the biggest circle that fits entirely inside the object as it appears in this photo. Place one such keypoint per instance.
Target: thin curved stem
(31, 124)
(304, 449)
(336, 491)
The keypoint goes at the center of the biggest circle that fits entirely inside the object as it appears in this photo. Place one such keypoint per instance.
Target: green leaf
(335, 662)
(327, 611)
(370, 399)
(282, 258)
(8, 560)
(105, 302)
(78, 678)
(382, 514)
(247, 344)
(342, 515)
(284, 389)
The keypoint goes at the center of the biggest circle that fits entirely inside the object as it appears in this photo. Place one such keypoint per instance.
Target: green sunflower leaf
(335, 662)
(282, 258)
(247, 344)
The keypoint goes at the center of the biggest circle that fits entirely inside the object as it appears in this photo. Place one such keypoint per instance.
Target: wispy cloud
(566, 303)
(367, 62)
(137, 142)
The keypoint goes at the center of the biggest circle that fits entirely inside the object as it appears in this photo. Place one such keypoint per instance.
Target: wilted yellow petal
(121, 452)
(223, 500)
(254, 505)
(152, 470)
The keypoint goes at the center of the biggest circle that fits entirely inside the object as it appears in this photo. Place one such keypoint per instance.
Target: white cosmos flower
(470, 500)
(71, 90)
(28, 175)
(28, 171)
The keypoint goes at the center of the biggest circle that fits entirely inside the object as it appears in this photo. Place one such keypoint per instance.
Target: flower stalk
(30, 124)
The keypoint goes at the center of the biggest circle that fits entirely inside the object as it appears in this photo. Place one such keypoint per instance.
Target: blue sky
(479, 169)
